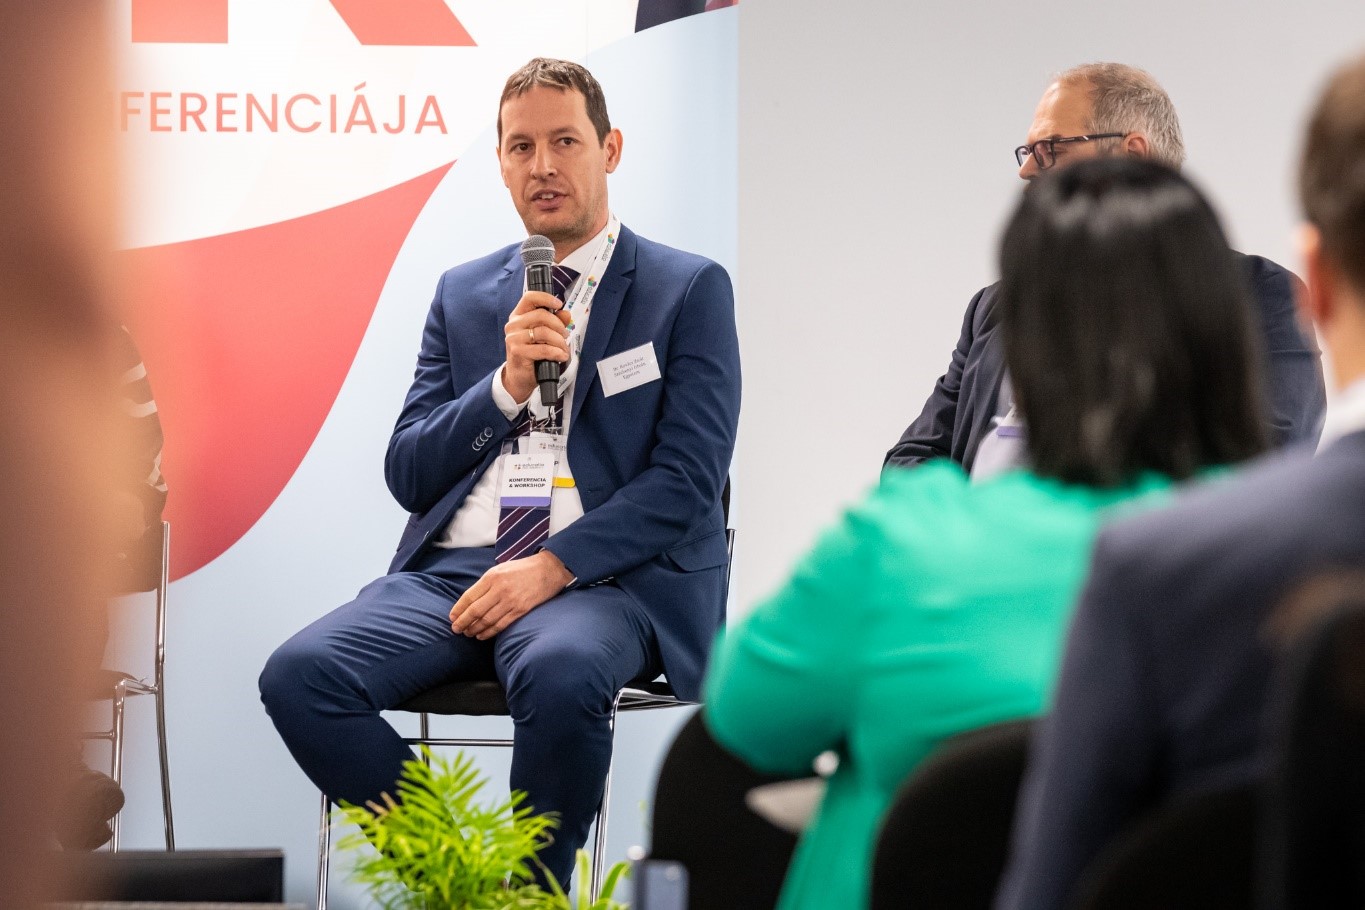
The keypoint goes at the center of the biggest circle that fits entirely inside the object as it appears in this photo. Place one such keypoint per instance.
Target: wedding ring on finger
(531, 333)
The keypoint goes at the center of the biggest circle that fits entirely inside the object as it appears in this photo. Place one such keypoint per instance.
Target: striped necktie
(521, 529)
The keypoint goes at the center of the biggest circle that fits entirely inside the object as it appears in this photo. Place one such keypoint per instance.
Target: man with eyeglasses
(1090, 111)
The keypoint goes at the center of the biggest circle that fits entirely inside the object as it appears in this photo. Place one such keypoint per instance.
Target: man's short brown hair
(1332, 172)
(564, 75)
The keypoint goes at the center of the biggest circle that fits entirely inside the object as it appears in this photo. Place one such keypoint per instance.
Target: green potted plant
(437, 848)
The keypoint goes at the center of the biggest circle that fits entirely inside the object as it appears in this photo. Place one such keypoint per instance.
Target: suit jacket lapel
(509, 287)
(606, 307)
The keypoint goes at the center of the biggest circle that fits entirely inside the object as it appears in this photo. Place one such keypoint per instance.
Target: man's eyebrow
(557, 131)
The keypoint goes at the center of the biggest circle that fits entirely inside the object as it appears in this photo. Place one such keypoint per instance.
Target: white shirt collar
(1345, 415)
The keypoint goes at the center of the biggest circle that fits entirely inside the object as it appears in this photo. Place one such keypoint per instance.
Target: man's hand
(506, 593)
(535, 331)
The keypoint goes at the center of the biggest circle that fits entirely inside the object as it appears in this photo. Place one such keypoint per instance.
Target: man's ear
(612, 143)
(1318, 301)
(1135, 145)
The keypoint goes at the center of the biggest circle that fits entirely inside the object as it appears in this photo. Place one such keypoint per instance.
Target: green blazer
(933, 607)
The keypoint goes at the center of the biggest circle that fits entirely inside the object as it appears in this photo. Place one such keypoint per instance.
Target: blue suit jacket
(1164, 683)
(965, 400)
(649, 462)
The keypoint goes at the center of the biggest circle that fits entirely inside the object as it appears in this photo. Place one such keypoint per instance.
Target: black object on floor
(222, 876)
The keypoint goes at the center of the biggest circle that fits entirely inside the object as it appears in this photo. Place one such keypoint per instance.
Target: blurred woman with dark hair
(936, 606)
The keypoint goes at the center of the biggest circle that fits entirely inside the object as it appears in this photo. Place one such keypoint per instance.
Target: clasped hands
(536, 330)
(506, 593)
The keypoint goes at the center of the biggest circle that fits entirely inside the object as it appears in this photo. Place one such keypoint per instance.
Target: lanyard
(579, 300)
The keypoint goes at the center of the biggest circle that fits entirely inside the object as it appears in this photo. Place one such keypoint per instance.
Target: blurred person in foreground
(1164, 684)
(937, 606)
(1102, 110)
(58, 433)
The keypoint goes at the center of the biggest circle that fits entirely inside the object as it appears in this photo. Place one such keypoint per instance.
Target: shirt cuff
(503, 399)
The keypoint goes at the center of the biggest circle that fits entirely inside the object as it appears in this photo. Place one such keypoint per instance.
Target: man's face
(554, 167)
(1064, 111)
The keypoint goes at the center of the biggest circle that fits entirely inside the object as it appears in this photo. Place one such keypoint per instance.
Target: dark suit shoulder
(981, 309)
(1274, 287)
(1263, 527)
(1260, 269)
(661, 261)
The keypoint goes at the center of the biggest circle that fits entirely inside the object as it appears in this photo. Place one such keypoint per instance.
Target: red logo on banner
(401, 23)
(247, 338)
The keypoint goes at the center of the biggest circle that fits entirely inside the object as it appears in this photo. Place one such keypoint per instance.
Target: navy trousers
(561, 665)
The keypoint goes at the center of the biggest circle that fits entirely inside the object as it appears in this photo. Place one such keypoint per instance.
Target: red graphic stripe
(247, 338)
(180, 21)
(405, 23)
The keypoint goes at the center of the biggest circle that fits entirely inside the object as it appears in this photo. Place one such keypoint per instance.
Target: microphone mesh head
(537, 249)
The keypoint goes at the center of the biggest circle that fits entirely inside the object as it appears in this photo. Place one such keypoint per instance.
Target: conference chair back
(945, 839)
(1195, 853)
(1313, 836)
(734, 857)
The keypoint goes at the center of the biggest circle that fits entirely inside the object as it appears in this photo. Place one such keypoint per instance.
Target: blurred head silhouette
(1127, 326)
(56, 438)
(1332, 190)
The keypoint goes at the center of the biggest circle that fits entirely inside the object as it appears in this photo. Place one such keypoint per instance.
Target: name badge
(542, 444)
(527, 481)
(1011, 426)
(628, 369)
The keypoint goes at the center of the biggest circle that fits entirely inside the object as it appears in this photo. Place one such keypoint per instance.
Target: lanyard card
(538, 443)
(1011, 425)
(527, 481)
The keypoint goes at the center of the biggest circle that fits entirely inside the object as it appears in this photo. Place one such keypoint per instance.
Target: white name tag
(628, 369)
(527, 480)
(542, 444)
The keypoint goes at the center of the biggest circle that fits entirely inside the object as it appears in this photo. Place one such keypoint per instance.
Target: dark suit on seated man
(1164, 683)
(1089, 111)
(607, 565)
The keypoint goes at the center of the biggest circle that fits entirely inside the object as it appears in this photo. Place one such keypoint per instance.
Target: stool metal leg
(163, 585)
(599, 843)
(116, 763)
(165, 769)
(324, 850)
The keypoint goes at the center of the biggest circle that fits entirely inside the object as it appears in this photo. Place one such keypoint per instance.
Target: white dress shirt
(476, 522)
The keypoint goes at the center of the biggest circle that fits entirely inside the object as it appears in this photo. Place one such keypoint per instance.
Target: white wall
(875, 172)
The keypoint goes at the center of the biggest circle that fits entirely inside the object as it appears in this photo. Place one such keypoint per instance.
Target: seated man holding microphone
(565, 548)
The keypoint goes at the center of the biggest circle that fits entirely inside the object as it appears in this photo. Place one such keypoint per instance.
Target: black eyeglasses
(1044, 151)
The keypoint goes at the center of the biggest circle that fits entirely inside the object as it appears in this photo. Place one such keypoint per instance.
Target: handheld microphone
(538, 254)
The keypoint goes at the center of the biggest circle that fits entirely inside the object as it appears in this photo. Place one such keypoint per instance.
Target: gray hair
(1126, 99)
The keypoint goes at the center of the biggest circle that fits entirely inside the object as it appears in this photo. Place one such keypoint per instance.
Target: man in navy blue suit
(1163, 685)
(1088, 111)
(563, 549)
